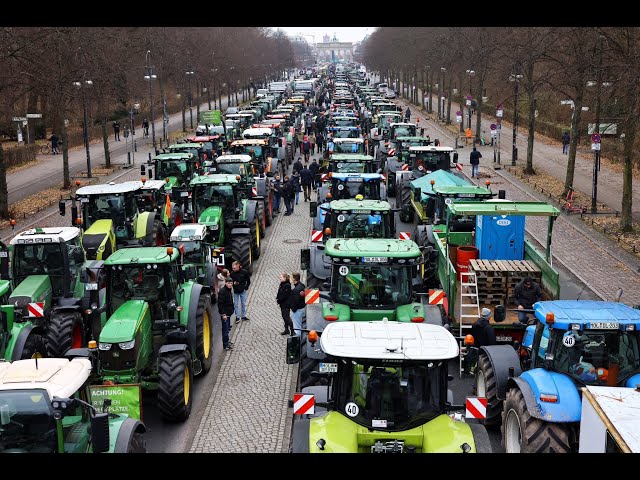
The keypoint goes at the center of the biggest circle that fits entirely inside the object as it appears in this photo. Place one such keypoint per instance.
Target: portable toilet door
(500, 237)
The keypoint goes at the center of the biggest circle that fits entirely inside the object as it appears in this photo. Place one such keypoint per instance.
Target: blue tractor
(534, 390)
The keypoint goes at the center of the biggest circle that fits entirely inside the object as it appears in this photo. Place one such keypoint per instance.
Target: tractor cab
(214, 198)
(240, 164)
(259, 150)
(190, 240)
(194, 148)
(348, 185)
(343, 132)
(349, 163)
(348, 145)
(426, 159)
(357, 218)
(178, 167)
(401, 129)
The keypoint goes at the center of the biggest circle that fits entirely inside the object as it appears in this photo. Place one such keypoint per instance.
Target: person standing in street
(407, 115)
(306, 179)
(313, 168)
(287, 195)
(312, 140)
(283, 298)
(566, 140)
(54, 143)
(277, 193)
(474, 160)
(225, 308)
(320, 141)
(297, 188)
(116, 131)
(145, 127)
(241, 282)
(296, 302)
(525, 294)
(297, 166)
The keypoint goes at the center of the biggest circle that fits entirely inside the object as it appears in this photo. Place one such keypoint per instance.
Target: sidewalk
(594, 259)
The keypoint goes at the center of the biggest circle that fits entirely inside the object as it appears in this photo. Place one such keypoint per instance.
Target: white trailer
(610, 422)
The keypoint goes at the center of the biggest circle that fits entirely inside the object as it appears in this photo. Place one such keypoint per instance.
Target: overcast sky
(343, 34)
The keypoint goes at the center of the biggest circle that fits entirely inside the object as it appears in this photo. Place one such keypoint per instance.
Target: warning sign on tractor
(476, 407)
(303, 404)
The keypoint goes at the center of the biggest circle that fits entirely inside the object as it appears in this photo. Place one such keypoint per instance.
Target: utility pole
(596, 130)
(515, 78)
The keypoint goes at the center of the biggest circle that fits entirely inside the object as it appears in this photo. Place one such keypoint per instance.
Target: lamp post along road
(470, 73)
(149, 77)
(82, 85)
(515, 78)
(189, 73)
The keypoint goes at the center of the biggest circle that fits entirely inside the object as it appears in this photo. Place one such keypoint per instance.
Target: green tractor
(52, 292)
(159, 329)
(233, 218)
(155, 196)
(387, 392)
(176, 169)
(391, 156)
(45, 408)
(111, 217)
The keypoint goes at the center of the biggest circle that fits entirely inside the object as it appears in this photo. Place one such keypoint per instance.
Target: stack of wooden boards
(497, 278)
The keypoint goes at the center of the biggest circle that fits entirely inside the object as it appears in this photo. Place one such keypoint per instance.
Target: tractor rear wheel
(174, 386)
(34, 347)
(406, 214)
(159, 236)
(268, 209)
(204, 333)
(137, 444)
(487, 386)
(255, 235)
(260, 213)
(65, 331)
(522, 433)
(241, 246)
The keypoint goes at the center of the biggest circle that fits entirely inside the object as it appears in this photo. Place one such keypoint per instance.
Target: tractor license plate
(184, 194)
(503, 338)
(604, 325)
(3, 254)
(328, 367)
(355, 180)
(360, 211)
(91, 286)
(220, 259)
(374, 259)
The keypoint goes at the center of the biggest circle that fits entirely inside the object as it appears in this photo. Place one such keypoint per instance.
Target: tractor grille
(117, 359)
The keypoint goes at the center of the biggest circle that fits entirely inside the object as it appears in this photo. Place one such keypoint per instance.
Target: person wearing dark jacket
(283, 298)
(313, 168)
(225, 308)
(525, 294)
(296, 302)
(241, 282)
(277, 194)
(306, 179)
(287, 195)
(482, 331)
(297, 166)
(295, 180)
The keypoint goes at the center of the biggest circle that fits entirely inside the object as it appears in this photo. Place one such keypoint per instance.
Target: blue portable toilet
(500, 237)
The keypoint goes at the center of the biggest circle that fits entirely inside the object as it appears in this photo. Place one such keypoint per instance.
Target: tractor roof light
(487, 183)
(359, 197)
(551, 318)
(93, 345)
(166, 180)
(237, 177)
(312, 337)
(432, 182)
(143, 179)
(78, 220)
(169, 251)
(329, 195)
(78, 183)
(327, 231)
(469, 340)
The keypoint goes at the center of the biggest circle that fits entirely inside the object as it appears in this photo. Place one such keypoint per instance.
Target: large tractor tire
(406, 214)
(268, 210)
(204, 333)
(261, 214)
(487, 386)
(65, 331)
(254, 226)
(34, 347)
(522, 433)
(137, 444)
(159, 236)
(242, 248)
(174, 386)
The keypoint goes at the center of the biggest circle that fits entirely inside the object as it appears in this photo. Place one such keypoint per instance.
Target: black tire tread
(171, 386)
(35, 344)
(494, 406)
(204, 304)
(242, 250)
(60, 331)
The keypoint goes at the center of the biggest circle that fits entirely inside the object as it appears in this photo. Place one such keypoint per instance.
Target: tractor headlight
(104, 346)
(215, 227)
(127, 345)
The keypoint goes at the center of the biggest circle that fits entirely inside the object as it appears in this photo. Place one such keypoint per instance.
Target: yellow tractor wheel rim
(257, 233)
(206, 331)
(187, 386)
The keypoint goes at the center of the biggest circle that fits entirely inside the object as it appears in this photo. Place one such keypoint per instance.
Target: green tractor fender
(124, 435)
(5, 288)
(143, 225)
(19, 334)
(192, 292)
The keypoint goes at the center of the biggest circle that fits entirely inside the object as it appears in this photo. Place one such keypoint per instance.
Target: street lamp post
(150, 75)
(85, 133)
(470, 73)
(189, 73)
(442, 93)
(515, 78)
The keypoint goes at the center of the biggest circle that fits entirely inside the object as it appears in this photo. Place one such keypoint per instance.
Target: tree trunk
(479, 109)
(66, 178)
(626, 219)
(199, 88)
(449, 103)
(184, 116)
(531, 135)
(575, 137)
(4, 192)
(430, 91)
(105, 142)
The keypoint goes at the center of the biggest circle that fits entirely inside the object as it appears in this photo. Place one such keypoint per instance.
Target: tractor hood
(96, 237)
(211, 216)
(125, 322)
(34, 288)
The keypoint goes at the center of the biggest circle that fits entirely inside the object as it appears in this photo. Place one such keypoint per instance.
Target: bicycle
(45, 149)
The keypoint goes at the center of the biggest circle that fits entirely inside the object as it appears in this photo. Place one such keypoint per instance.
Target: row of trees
(594, 67)
(41, 69)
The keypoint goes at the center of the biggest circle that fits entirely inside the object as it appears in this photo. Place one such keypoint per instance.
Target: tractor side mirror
(422, 132)
(150, 173)
(313, 209)
(455, 157)
(74, 214)
(293, 349)
(305, 258)
(62, 207)
(142, 169)
(100, 432)
(499, 313)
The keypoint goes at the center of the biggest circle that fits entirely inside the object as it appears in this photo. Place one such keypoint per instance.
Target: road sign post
(595, 146)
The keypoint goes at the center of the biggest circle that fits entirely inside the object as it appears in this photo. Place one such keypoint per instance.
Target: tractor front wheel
(204, 333)
(65, 331)
(487, 386)
(262, 219)
(174, 386)
(241, 246)
(34, 347)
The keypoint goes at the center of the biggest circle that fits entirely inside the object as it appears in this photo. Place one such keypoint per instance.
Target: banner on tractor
(212, 117)
(125, 398)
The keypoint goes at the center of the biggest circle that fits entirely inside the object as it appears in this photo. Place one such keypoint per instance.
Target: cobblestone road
(248, 408)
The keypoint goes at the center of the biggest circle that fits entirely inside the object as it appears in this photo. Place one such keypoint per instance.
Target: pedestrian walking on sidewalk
(116, 131)
(283, 298)
(241, 282)
(297, 188)
(407, 115)
(296, 302)
(312, 141)
(145, 126)
(474, 160)
(566, 139)
(54, 143)
(277, 194)
(313, 168)
(306, 179)
(225, 308)
(287, 195)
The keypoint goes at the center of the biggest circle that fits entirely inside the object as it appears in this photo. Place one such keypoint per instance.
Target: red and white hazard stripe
(36, 309)
(303, 404)
(436, 297)
(254, 192)
(476, 407)
(391, 152)
(404, 236)
(405, 166)
(459, 166)
(316, 235)
(323, 177)
(311, 295)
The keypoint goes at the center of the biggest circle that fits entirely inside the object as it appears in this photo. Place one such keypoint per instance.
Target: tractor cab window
(394, 398)
(430, 161)
(138, 282)
(39, 259)
(109, 207)
(76, 258)
(343, 166)
(147, 201)
(348, 147)
(370, 224)
(208, 195)
(404, 131)
(173, 168)
(372, 286)
(26, 422)
(589, 356)
(232, 168)
(349, 189)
